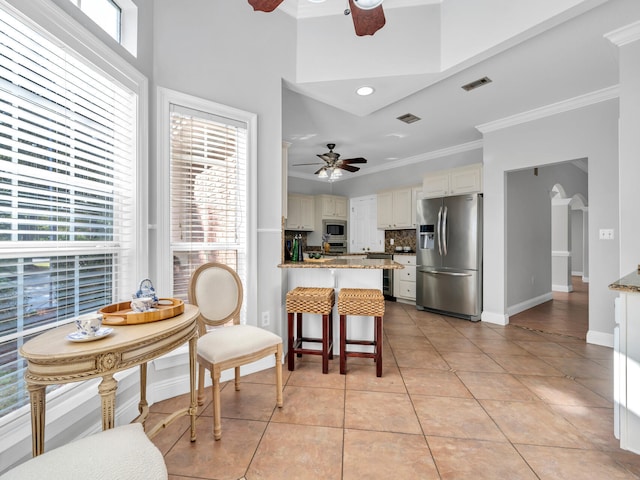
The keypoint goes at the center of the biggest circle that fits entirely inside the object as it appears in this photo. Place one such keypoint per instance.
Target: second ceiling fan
(333, 164)
(367, 15)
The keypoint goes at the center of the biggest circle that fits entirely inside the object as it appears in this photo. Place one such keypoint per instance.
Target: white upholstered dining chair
(217, 291)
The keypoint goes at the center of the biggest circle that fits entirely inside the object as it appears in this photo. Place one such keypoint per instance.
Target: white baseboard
(562, 288)
(600, 338)
(497, 318)
(585, 279)
(527, 304)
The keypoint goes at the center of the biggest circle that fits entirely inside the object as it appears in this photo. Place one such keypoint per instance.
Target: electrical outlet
(265, 319)
(606, 234)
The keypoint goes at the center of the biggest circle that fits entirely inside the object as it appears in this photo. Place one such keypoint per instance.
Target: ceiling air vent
(408, 118)
(477, 83)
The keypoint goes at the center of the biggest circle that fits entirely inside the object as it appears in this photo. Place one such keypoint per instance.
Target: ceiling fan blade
(348, 168)
(265, 5)
(367, 22)
(301, 164)
(325, 157)
(316, 173)
(354, 160)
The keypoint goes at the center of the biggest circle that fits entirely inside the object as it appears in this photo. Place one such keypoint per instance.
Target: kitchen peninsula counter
(346, 263)
(337, 273)
(626, 359)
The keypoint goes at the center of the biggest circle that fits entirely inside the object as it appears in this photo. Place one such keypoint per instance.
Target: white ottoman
(122, 453)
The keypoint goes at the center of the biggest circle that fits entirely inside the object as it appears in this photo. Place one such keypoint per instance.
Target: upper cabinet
(300, 212)
(416, 194)
(455, 181)
(395, 209)
(331, 207)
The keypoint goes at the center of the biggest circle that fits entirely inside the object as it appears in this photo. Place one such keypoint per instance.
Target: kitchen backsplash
(401, 238)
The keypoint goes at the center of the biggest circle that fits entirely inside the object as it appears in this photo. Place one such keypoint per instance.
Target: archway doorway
(547, 248)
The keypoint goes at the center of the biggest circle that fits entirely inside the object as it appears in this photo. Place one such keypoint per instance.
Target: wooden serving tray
(121, 313)
(318, 260)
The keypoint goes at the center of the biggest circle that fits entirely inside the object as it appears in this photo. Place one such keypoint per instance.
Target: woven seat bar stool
(310, 300)
(368, 302)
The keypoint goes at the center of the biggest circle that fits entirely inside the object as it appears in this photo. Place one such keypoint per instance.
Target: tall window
(208, 165)
(67, 199)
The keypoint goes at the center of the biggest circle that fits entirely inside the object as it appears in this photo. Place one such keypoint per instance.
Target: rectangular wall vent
(408, 118)
(476, 83)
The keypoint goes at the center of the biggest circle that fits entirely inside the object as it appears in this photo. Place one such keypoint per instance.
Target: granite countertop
(628, 283)
(330, 262)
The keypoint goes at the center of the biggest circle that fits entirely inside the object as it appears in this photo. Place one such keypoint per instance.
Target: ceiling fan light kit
(367, 4)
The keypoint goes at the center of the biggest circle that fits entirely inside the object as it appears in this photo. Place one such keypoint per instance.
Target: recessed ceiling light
(364, 91)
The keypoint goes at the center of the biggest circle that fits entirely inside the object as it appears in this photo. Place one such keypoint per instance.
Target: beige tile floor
(457, 400)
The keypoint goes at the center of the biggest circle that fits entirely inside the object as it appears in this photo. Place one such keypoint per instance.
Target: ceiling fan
(333, 164)
(367, 15)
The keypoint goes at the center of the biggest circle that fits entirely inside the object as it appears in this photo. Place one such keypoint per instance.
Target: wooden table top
(53, 344)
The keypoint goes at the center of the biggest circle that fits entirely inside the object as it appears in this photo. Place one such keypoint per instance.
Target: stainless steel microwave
(336, 228)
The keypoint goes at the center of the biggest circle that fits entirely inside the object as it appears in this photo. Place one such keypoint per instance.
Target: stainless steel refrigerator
(449, 256)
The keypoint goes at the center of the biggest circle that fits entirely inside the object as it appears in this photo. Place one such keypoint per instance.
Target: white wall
(629, 155)
(200, 50)
(589, 132)
(577, 247)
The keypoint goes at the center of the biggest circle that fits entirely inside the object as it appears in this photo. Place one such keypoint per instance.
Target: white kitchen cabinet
(300, 212)
(395, 209)
(626, 394)
(455, 181)
(416, 194)
(404, 280)
(331, 207)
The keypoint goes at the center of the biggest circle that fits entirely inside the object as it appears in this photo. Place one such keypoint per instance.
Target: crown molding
(624, 35)
(443, 152)
(574, 103)
(423, 157)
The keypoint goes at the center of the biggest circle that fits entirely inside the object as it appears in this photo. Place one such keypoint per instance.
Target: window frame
(56, 25)
(166, 97)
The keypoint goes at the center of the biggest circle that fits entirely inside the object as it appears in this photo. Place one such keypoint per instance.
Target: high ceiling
(535, 57)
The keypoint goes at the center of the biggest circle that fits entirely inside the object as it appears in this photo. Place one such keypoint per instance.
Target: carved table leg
(143, 406)
(37, 396)
(107, 391)
(193, 407)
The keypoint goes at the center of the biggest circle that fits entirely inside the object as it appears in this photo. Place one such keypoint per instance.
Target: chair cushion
(224, 343)
(120, 453)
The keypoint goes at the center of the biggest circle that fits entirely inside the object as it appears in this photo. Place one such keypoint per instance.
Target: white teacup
(89, 324)
(141, 304)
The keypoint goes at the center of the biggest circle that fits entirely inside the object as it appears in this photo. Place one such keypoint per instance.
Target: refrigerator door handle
(444, 230)
(450, 274)
(439, 230)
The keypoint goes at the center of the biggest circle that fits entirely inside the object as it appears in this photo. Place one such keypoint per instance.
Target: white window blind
(208, 165)
(67, 199)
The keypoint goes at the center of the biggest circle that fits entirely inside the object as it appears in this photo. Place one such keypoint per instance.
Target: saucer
(81, 337)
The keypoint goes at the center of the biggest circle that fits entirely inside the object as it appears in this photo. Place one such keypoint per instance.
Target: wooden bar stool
(367, 302)
(310, 300)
